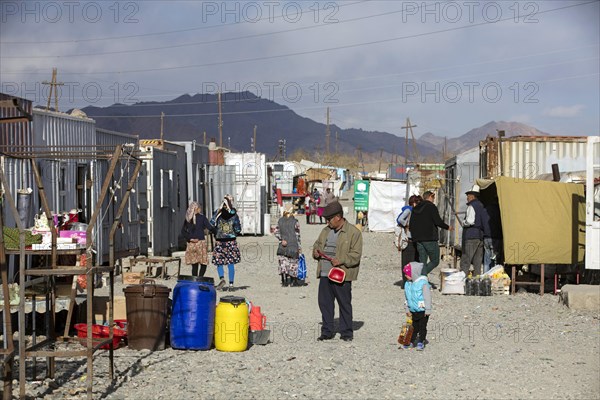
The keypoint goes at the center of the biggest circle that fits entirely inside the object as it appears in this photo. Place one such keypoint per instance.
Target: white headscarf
(190, 214)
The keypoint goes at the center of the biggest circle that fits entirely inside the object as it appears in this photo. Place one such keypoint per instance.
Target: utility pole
(327, 134)
(53, 86)
(204, 141)
(380, 157)
(407, 127)
(220, 122)
(336, 143)
(162, 116)
(254, 141)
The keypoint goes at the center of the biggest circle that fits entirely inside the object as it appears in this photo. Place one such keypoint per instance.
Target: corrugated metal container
(164, 203)
(461, 173)
(17, 133)
(57, 132)
(398, 171)
(250, 189)
(220, 180)
(127, 237)
(17, 171)
(196, 161)
(529, 156)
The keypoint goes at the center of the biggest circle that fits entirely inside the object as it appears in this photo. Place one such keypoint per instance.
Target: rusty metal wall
(528, 157)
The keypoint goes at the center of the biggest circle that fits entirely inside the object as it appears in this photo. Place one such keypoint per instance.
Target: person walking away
(424, 223)
(492, 237)
(226, 251)
(288, 251)
(196, 251)
(473, 229)
(339, 245)
(409, 253)
(418, 303)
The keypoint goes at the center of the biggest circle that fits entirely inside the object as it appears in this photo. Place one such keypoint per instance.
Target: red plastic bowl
(101, 332)
(121, 323)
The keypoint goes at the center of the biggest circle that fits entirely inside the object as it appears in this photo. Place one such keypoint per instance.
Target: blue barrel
(193, 313)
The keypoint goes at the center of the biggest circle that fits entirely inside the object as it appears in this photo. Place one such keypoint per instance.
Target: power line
(206, 42)
(199, 28)
(308, 51)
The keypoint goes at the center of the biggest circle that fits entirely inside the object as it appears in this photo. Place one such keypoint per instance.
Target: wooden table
(156, 262)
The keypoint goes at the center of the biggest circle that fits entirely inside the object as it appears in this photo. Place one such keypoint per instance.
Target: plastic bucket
(101, 332)
(193, 314)
(231, 324)
(147, 311)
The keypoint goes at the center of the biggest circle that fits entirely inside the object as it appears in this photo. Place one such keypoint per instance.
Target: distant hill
(471, 139)
(187, 117)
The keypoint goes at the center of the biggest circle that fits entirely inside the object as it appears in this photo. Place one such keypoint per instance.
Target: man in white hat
(473, 227)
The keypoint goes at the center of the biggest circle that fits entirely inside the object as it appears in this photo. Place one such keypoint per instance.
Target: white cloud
(564, 111)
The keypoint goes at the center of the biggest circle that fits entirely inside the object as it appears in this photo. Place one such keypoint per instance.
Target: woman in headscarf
(288, 233)
(193, 231)
(226, 251)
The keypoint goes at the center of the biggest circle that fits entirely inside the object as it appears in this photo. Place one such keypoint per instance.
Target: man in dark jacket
(424, 223)
(474, 228)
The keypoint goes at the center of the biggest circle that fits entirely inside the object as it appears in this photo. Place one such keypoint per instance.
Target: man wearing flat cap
(473, 232)
(338, 245)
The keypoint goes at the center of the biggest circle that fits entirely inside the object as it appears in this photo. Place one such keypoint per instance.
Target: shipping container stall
(529, 156)
(220, 180)
(196, 161)
(461, 172)
(70, 183)
(16, 136)
(127, 236)
(424, 177)
(250, 191)
(283, 173)
(162, 198)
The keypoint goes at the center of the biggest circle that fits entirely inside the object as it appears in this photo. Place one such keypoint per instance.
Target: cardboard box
(100, 307)
(79, 236)
(133, 278)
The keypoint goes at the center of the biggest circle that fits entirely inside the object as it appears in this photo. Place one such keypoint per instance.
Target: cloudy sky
(449, 66)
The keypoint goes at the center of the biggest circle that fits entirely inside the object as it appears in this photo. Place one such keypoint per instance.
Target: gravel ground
(500, 347)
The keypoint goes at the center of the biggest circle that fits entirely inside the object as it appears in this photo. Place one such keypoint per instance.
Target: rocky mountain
(187, 117)
(471, 138)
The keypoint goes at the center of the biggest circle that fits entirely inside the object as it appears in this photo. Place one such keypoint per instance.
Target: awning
(542, 222)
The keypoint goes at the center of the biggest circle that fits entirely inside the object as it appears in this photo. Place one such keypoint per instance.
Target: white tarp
(386, 200)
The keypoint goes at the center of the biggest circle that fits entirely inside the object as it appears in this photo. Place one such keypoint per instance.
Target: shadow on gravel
(134, 369)
(356, 325)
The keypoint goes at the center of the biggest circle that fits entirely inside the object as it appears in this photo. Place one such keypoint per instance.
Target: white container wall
(461, 173)
(250, 189)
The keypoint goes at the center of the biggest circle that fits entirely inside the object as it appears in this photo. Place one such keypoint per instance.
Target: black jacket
(190, 231)
(424, 221)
